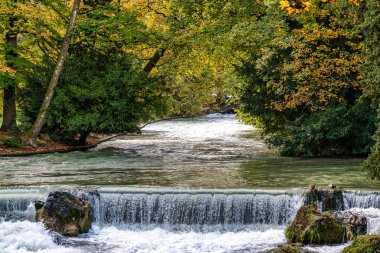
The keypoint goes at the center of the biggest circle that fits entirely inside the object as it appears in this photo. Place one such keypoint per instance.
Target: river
(205, 184)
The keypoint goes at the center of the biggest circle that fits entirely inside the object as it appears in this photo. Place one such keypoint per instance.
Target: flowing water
(206, 184)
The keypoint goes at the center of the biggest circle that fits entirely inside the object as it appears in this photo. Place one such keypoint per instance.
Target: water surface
(213, 151)
(206, 184)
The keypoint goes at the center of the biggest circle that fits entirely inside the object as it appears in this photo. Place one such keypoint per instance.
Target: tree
(103, 88)
(196, 65)
(36, 128)
(371, 83)
(8, 74)
(306, 71)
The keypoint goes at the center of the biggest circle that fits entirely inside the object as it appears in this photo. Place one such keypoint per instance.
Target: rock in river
(364, 244)
(355, 224)
(289, 248)
(65, 213)
(314, 227)
(329, 199)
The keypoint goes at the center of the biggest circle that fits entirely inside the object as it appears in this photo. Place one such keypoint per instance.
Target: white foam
(210, 137)
(25, 237)
(328, 249)
(159, 240)
(201, 128)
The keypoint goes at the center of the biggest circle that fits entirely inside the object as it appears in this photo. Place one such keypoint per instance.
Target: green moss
(290, 249)
(39, 214)
(287, 249)
(313, 227)
(364, 244)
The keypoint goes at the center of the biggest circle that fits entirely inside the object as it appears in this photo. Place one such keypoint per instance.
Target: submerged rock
(289, 248)
(65, 213)
(364, 244)
(314, 227)
(355, 224)
(329, 199)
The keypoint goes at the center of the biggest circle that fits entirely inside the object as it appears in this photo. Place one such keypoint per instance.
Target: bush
(103, 95)
(11, 142)
(339, 130)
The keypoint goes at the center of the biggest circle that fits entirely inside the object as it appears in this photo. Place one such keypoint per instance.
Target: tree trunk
(9, 99)
(37, 126)
(9, 108)
(83, 138)
(154, 60)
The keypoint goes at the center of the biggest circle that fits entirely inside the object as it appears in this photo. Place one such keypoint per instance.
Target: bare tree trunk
(9, 96)
(37, 126)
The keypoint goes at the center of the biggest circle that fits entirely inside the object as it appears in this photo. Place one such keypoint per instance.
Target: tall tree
(9, 82)
(103, 88)
(307, 73)
(37, 126)
(372, 79)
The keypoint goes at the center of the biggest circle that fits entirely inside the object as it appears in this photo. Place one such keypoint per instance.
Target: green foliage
(372, 164)
(11, 142)
(100, 89)
(338, 130)
(302, 86)
(371, 82)
(297, 74)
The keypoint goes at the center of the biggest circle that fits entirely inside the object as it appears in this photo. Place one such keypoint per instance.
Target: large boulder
(364, 244)
(311, 226)
(328, 199)
(65, 213)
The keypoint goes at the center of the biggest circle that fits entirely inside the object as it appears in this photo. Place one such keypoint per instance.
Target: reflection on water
(281, 172)
(214, 151)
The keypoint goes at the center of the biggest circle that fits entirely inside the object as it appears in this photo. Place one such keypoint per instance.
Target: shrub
(11, 142)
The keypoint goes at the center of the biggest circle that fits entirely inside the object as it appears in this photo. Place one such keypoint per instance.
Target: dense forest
(305, 71)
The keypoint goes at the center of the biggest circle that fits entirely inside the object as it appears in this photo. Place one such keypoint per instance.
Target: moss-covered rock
(65, 213)
(330, 199)
(314, 227)
(364, 244)
(290, 249)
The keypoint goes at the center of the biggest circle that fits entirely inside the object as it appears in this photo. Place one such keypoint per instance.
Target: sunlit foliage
(307, 68)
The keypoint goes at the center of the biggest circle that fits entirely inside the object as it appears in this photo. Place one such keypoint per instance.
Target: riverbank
(48, 146)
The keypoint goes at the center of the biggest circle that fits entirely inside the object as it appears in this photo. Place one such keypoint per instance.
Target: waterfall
(361, 199)
(186, 209)
(17, 204)
(367, 203)
(195, 209)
